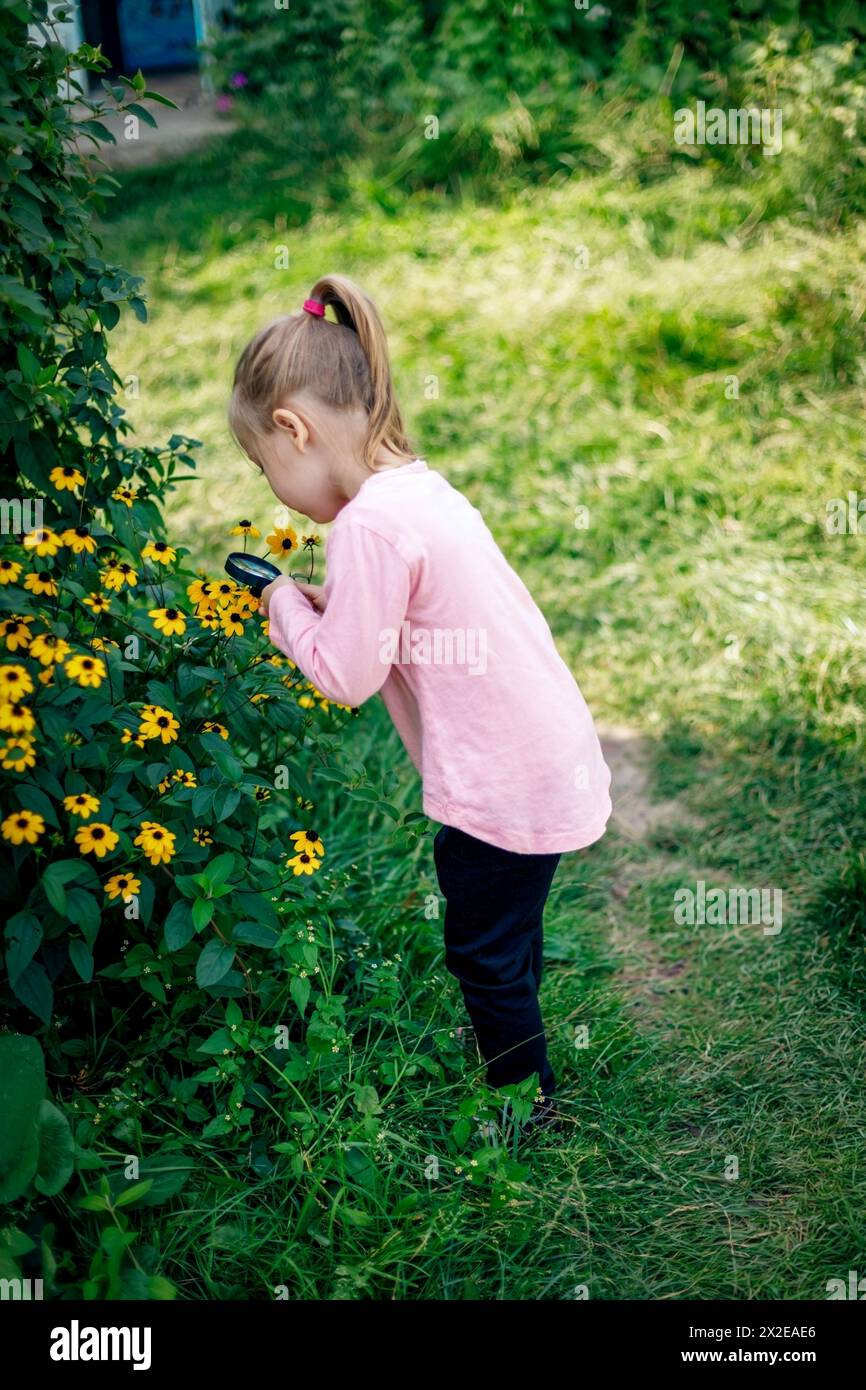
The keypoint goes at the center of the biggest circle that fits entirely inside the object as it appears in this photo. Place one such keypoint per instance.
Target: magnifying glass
(251, 571)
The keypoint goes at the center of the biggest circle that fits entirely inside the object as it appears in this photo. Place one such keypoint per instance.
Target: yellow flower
(306, 701)
(46, 648)
(23, 825)
(43, 542)
(199, 591)
(41, 582)
(15, 681)
(261, 793)
(68, 478)
(304, 864)
(79, 540)
(87, 670)
(160, 551)
(98, 839)
(103, 644)
(168, 620)
(257, 699)
(16, 718)
(232, 622)
(188, 778)
(9, 571)
(210, 726)
(18, 754)
(308, 841)
(245, 528)
(97, 603)
(81, 804)
(125, 494)
(156, 841)
(283, 541)
(16, 632)
(157, 722)
(163, 786)
(118, 574)
(127, 737)
(310, 541)
(201, 836)
(223, 592)
(122, 886)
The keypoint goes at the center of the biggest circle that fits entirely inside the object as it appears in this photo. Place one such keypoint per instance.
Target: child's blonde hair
(343, 364)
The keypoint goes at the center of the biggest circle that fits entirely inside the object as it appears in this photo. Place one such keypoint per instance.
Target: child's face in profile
(297, 468)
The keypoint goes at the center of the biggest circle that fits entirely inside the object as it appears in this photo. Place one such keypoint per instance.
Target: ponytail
(344, 364)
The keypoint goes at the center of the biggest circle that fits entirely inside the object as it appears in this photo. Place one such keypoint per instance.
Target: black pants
(494, 903)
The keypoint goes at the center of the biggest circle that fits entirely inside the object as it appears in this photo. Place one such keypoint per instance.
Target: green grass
(704, 603)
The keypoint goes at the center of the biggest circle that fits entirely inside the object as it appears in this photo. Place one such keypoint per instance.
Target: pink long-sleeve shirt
(423, 607)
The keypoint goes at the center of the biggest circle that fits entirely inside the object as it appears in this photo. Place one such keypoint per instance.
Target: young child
(420, 605)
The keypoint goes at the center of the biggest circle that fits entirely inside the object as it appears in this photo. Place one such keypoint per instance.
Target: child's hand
(267, 591)
(316, 594)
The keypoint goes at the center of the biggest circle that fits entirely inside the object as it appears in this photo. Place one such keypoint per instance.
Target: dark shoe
(545, 1117)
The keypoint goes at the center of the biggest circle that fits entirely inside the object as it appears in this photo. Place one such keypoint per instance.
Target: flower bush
(158, 835)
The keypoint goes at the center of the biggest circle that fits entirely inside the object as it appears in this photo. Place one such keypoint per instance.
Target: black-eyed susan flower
(303, 803)
(258, 697)
(157, 722)
(66, 478)
(9, 571)
(187, 778)
(97, 603)
(15, 682)
(156, 841)
(125, 494)
(199, 591)
(160, 551)
(168, 620)
(115, 575)
(81, 804)
(46, 648)
(128, 737)
(79, 540)
(44, 542)
(309, 542)
(103, 644)
(15, 632)
(23, 827)
(210, 726)
(122, 886)
(304, 863)
(283, 540)
(164, 786)
(18, 754)
(202, 836)
(85, 670)
(223, 592)
(308, 841)
(245, 528)
(46, 677)
(41, 582)
(232, 622)
(16, 718)
(261, 793)
(98, 839)
(306, 702)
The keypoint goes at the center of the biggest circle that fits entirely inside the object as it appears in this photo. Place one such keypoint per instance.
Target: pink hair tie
(315, 306)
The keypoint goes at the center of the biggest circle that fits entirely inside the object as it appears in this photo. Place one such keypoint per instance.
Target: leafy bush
(149, 736)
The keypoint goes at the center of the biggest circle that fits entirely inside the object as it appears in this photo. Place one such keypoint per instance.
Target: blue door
(157, 34)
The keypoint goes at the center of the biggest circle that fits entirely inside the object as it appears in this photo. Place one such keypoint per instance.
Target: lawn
(651, 389)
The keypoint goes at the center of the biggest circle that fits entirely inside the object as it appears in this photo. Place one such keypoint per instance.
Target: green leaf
(300, 992)
(225, 802)
(33, 989)
(202, 912)
(214, 963)
(56, 1150)
(132, 1194)
(219, 869)
(256, 933)
(81, 958)
(23, 937)
(179, 929)
(226, 762)
(22, 1088)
